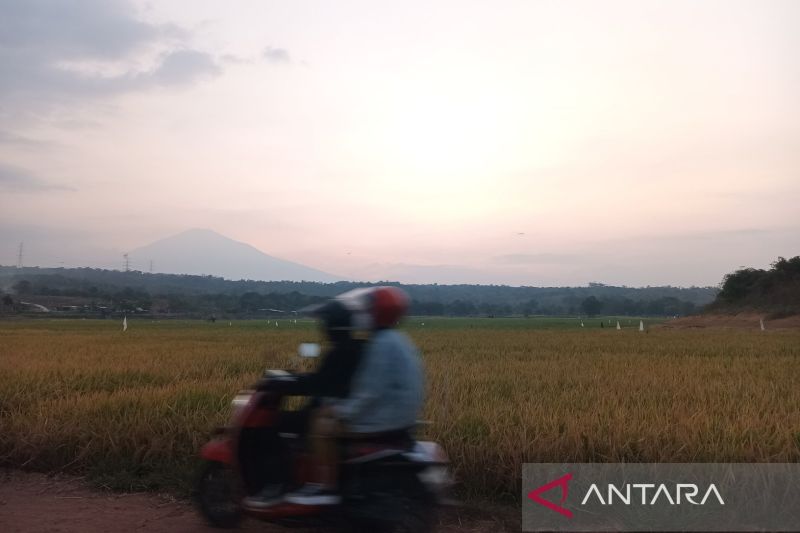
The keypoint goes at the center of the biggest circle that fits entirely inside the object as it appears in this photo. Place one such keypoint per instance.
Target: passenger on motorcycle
(342, 323)
(333, 376)
(386, 393)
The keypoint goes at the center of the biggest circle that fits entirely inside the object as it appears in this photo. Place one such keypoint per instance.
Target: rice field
(130, 410)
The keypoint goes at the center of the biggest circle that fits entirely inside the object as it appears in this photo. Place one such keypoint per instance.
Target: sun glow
(457, 147)
(444, 136)
(439, 135)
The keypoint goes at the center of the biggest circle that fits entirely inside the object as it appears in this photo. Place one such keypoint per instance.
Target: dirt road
(38, 503)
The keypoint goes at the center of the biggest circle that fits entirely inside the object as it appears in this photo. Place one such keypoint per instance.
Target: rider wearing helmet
(334, 373)
(386, 392)
(341, 322)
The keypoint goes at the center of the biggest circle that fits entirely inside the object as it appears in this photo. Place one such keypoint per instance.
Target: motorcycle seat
(395, 436)
(366, 445)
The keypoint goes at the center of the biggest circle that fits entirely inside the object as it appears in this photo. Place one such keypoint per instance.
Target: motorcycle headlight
(240, 401)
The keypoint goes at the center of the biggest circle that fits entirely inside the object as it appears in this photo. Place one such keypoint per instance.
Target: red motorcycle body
(252, 453)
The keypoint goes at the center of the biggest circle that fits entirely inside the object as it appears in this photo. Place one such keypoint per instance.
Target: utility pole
(19, 256)
(127, 263)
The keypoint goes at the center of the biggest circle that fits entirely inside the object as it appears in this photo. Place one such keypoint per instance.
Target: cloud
(69, 30)
(233, 59)
(184, 66)
(8, 138)
(276, 55)
(14, 179)
(56, 51)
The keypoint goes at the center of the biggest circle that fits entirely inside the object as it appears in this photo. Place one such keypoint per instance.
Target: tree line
(91, 290)
(776, 289)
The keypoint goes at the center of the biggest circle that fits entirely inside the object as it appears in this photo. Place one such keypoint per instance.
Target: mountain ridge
(202, 251)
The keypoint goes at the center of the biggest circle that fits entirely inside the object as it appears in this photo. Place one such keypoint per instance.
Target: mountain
(205, 252)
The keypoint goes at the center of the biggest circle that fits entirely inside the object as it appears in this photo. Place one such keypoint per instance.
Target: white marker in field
(125, 323)
(761, 321)
(230, 323)
(582, 323)
(618, 327)
(276, 323)
(641, 325)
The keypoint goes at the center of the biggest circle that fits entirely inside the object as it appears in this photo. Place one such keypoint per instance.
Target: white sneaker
(313, 494)
(269, 496)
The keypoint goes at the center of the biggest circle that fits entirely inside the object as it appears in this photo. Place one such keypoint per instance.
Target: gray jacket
(387, 391)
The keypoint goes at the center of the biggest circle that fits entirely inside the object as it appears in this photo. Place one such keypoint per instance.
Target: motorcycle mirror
(309, 349)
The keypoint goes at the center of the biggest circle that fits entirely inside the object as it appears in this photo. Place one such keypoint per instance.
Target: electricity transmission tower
(19, 256)
(127, 263)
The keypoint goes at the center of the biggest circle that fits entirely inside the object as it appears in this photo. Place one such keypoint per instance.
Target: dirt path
(38, 503)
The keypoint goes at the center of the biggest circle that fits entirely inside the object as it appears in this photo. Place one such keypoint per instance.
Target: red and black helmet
(389, 305)
(375, 307)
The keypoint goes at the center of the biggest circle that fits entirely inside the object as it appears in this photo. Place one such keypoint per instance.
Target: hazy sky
(541, 143)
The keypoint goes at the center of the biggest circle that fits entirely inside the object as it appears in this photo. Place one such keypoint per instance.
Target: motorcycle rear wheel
(415, 516)
(401, 506)
(217, 495)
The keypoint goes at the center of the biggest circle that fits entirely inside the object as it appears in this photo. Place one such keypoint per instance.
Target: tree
(737, 285)
(21, 287)
(461, 308)
(530, 307)
(591, 306)
(250, 301)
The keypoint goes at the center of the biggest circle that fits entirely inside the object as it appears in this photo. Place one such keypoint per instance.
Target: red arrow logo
(562, 482)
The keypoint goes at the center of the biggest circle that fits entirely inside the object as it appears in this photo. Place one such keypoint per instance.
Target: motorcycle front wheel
(217, 495)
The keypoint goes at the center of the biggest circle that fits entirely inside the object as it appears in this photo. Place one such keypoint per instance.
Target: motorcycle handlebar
(281, 381)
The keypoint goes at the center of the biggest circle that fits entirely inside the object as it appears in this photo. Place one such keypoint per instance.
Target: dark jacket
(335, 371)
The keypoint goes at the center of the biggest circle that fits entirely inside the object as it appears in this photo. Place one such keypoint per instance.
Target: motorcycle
(388, 482)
